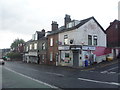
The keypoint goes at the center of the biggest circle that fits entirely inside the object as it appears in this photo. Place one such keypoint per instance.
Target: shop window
(66, 55)
(65, 39)
(89, 39)
(95, 40)
(51, 56)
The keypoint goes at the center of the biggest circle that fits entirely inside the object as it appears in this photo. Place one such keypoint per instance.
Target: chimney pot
(67, 19)
(54, 25)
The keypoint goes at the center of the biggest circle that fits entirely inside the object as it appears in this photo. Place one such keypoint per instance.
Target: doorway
(75, 58)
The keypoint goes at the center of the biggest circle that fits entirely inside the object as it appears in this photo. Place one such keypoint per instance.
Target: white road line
(55, 74)
(89, 80)
(112, 72)
(111, 68)
(108, 71)
(48, 72)
(104, 72)
(32, 78)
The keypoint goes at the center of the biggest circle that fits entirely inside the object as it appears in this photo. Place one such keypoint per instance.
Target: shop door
(75, 59)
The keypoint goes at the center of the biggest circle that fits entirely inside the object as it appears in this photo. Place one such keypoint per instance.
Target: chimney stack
(43, 32)
(67, 19)
(54, 25)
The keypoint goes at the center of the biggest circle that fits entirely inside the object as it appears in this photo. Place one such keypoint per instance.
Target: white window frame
(30, 46)
(91, 39)
(35, 46)
(65, 39)
(95, 38)
(43, 56)
(43, 46)
(26, 48)
(51, 41)
(51, 56)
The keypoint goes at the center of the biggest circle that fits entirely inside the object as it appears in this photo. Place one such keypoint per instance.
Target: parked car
(2, 62)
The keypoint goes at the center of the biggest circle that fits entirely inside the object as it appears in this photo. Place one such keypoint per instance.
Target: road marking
(104, 72)
(112, 72)
(55, 74)
(89, 80)
(32, 78)
(88, 69)
(108, 64)
(107, 71)
(112, 68)
(48, 72)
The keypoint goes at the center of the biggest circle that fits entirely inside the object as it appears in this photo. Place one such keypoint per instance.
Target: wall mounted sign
(88, 48)
(64, 48)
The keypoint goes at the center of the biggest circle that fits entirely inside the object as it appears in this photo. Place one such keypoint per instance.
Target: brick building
(113, 37)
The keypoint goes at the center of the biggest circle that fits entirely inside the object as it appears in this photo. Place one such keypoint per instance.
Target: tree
(16, 43)
(17, 49)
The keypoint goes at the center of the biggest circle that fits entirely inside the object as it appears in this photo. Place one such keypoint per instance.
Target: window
(35, 46)
(116, 26)
(26, 48)
(65, 39)
(89, 39)
(95, 40)
(66, 55)
(43, 46)
(51, 41)
(51, 56)
(30, 46)
(43, 56)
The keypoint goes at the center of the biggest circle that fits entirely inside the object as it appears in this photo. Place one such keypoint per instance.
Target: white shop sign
(88, 48)
(33, 53)
(63, 47)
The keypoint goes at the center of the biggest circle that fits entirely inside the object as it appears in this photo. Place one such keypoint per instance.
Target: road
(22, 75)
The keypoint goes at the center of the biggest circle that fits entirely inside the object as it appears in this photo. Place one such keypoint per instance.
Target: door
(76, 58)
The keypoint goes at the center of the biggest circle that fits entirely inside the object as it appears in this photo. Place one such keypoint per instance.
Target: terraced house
(35, 50)
(76, 41)
(113, 38)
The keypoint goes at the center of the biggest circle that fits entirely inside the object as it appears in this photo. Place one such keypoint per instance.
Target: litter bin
(86, 63)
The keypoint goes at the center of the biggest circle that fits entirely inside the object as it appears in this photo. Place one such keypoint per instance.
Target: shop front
(75, 55)
(65, 56)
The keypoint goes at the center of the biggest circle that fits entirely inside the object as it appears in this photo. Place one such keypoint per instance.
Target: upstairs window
(26, 48)
(43, 46)
(51, 41)
(65, 39)
(35, 46)
(89, 39)
(116, 26)
(30, 46)
(95, 40)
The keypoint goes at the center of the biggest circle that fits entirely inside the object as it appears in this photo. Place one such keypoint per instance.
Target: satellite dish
(71, 41)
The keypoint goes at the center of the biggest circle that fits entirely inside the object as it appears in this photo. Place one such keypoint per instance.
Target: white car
(2, 62)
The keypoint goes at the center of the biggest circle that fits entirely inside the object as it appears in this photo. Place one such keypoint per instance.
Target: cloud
(24, 17)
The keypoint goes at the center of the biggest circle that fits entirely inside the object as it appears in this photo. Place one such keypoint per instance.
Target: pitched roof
(82, 22)
(112, 23)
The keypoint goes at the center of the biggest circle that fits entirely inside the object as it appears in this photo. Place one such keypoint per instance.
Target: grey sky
(21, 18)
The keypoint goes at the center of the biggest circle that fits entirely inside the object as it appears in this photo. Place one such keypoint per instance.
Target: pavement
(90, 67)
